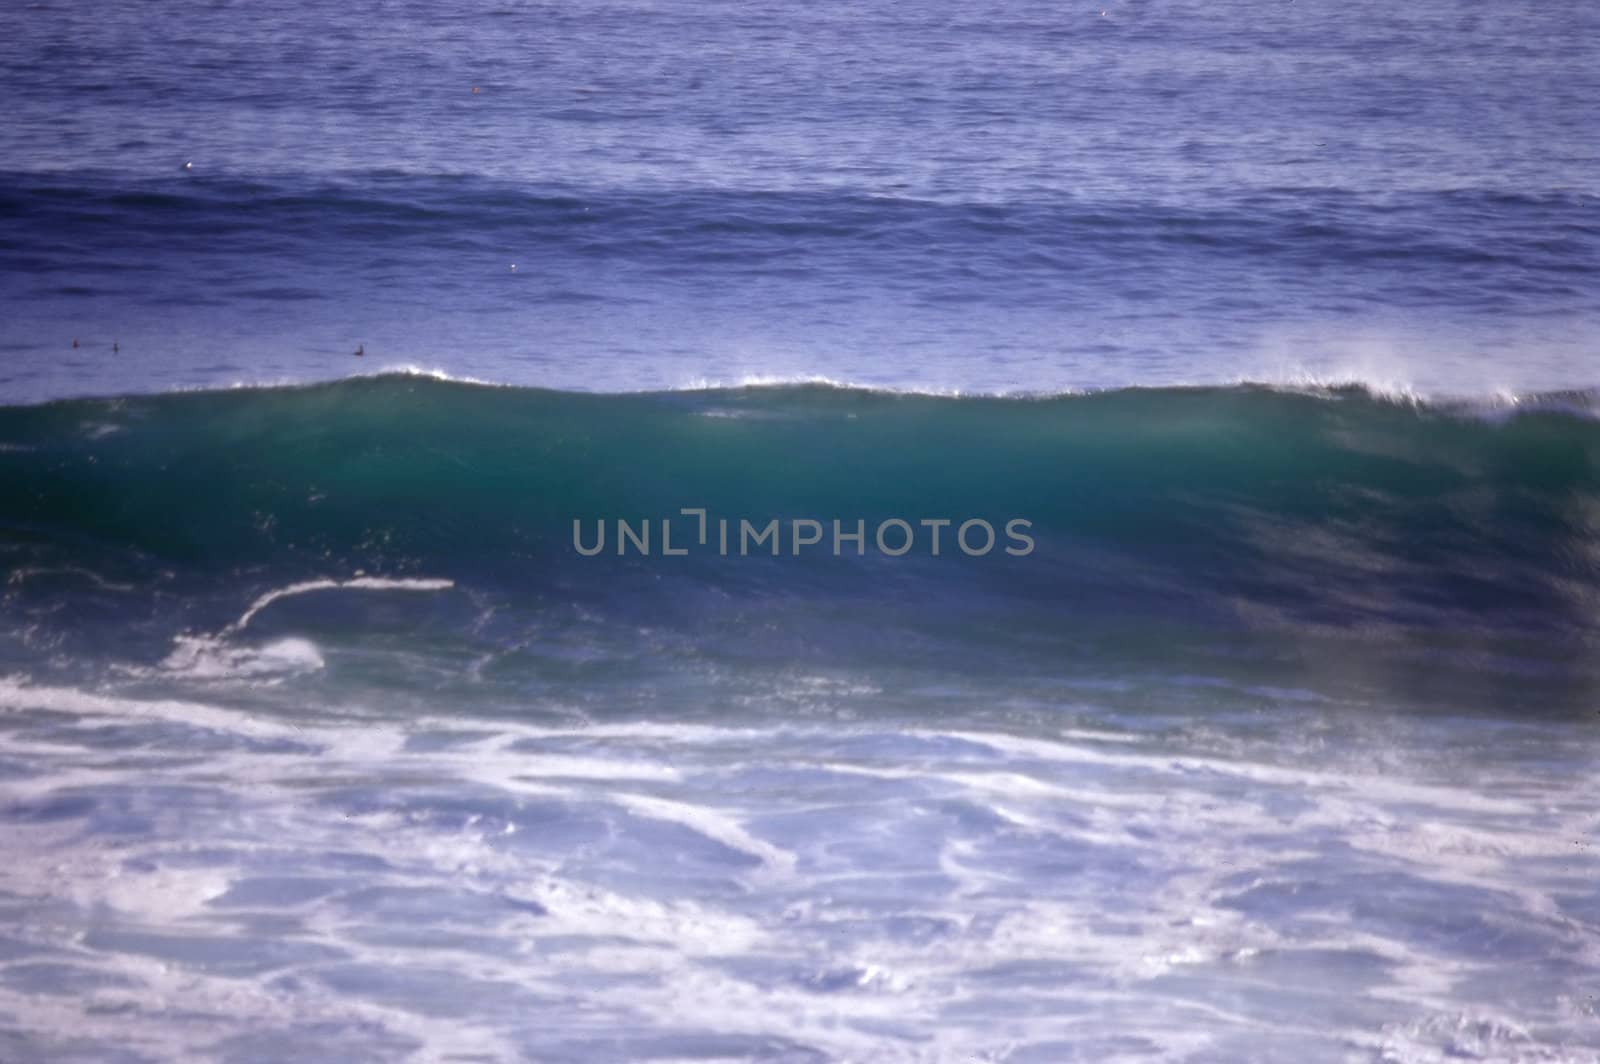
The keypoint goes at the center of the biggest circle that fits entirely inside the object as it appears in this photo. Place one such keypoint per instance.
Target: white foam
(779, 381)
(360, 583)
(648, 731)
(710, 823)
(516, 767)
(17, 693)
(205, 658)
(1387, 787)
(414, 369)
(646, 939)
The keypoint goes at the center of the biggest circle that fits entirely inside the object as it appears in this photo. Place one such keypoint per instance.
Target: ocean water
(1032, 196)
(858, 532)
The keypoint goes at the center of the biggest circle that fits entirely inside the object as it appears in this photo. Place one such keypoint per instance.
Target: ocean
(650, 531)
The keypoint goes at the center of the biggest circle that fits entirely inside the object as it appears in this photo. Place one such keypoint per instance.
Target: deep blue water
(1029, 197)
(323, 737)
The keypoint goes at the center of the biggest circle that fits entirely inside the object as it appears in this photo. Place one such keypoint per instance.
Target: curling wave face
(1392, 526)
